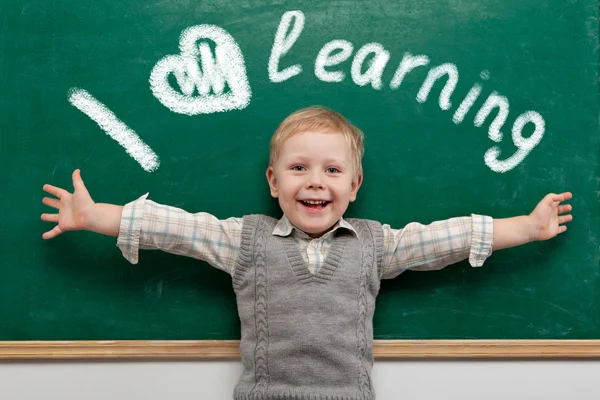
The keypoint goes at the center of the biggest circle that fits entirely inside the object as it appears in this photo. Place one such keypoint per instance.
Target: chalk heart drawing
(202, 90)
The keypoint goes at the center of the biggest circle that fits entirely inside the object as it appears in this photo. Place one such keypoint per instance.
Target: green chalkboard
(516, 80)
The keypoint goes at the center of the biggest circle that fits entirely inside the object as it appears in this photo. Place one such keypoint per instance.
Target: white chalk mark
(203, 77)
(325, 59)
(435, 74)
(466, 104)
(525, 145)
(228, 68)
(283, 43)
(517, 130)
(493, 101)
(408, 63)
(107, 120)
(376, 67)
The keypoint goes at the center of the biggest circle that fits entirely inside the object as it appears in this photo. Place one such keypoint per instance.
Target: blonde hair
(318, 119)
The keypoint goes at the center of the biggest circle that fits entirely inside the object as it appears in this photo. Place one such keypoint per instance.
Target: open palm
(73, 209)
(547, 218)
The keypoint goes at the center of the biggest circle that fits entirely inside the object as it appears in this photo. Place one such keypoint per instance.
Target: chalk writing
(469, 100)
(283, 44)
(108, 121)
(228, 68)
(202, 80)
(325, 59)
(293, 22)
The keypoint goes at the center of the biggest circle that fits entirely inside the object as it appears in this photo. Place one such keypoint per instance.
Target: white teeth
(314, 202)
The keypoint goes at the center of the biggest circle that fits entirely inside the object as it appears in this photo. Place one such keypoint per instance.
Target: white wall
(397, 380)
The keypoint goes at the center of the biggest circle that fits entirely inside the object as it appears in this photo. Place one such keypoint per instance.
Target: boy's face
(314, 180)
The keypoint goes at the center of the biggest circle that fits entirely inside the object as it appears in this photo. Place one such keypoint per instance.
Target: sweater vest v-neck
(307, 336)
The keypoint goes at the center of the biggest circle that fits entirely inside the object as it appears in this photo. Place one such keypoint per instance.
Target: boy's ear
(272, 182)
(355, 186)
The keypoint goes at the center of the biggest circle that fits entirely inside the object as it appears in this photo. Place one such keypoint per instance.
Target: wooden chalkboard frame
(229, 349)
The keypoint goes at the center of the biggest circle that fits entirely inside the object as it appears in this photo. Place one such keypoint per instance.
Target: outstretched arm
(77, 211)
(545, 222)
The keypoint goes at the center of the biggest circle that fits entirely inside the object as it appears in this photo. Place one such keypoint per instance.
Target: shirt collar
(284, 227)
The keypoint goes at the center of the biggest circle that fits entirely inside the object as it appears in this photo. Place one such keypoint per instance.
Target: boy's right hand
(74, 209)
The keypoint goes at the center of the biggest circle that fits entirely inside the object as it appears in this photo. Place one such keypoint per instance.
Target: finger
(549, 199)
(564, 208)
(53, 233)
(562, 228)
(77, 181)
(58, 192)
(50, 217)
(51, 202)
(565, 218)
(562, 197)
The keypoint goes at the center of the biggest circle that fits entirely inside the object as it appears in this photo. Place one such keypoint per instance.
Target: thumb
(77, 181)
(549, 199)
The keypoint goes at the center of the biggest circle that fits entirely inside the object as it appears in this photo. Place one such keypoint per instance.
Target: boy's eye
(297, 168)
(332, 170)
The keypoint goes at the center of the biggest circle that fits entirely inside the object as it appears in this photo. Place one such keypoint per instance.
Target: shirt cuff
(130, 227)
(482, 239)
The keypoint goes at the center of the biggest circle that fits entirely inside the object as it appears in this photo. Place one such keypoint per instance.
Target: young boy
(305, 284)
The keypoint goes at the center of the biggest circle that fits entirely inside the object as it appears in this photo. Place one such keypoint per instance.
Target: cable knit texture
(368, 256)
(307, 336)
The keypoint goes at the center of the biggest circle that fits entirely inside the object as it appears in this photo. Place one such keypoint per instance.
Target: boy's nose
(315, 181)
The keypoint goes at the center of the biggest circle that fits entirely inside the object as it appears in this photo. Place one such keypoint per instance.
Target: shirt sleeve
(151, 226)
(434, 246)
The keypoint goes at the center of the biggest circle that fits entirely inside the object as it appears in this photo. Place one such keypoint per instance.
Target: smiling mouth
(315, 204)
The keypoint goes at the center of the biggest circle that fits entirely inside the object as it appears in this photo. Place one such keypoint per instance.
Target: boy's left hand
(545, 218)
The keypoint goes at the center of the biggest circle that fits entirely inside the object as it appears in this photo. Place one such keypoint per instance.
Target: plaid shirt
(148, 225)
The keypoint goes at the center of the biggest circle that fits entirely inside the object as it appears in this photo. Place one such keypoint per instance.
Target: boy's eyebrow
(301, 158)
(295, 157)
(335, 161)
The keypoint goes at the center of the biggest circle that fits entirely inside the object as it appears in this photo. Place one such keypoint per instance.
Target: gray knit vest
(307, 336)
